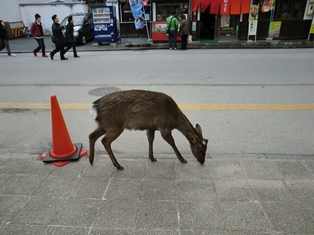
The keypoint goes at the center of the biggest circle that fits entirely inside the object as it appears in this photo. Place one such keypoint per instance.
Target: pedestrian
(58, 38)
(4, 40)
(172, 25)
(184, 32)
(38, 34)
(70, 37)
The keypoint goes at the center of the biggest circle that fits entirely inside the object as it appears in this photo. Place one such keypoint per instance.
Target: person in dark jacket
(4, 41)
(59, 39)
(38, 34)
(70, 37)
(184, 29)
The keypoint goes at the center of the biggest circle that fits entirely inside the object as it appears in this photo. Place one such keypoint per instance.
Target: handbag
(167, 32)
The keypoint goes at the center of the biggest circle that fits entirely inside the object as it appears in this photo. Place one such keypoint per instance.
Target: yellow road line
(205, 107)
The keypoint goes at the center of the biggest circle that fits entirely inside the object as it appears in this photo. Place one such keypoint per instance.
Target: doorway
(207, 25)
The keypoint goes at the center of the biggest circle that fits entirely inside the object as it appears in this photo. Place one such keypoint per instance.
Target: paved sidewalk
(27, 45)
(230, 194)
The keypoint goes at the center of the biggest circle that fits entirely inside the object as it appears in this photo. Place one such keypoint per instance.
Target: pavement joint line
(187, 107)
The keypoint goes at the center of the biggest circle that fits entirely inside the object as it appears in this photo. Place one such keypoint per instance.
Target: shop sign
(253, 20)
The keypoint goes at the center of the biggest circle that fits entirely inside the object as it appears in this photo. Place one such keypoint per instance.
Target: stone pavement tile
(301, 189)
(291, 169)
(212, 169)
(217, 232)
(309, 207)
(225, 169)
(97, 231)
(259, 169)
(116, 214)
(196, 190)
(162, 169)
(123, 188)
(19, 184)
(89, 188)
(102, 168)
(14, 229)
(201, 215)
(132, 169)
(159, 189)
(76, 212)
(71, 170)
(309, 166)
(28, 164)
(10, 206)
(233, 190)
(271, 190)
(288, 217)
(38, 211)
(56, 186)
(53, 230)
(157, 215)
(244, 216)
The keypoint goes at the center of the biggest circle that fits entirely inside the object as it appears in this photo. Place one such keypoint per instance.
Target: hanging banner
(253, 20)
(274, 29)
(312, 27)
(267, 5)
(138, 13)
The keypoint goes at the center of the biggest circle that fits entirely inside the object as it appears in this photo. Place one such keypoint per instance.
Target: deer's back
(137, 109)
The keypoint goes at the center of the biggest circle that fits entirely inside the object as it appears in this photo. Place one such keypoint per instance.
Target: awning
(223, 7)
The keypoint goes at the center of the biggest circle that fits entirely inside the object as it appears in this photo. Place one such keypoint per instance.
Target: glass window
(163, 10)
(284, 9)
(126, 13)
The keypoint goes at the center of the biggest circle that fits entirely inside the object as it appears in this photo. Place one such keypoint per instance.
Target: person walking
(184, 31)
(38, 34)
(70, 37)
(58, 38)
(4, 40)
(172, 25)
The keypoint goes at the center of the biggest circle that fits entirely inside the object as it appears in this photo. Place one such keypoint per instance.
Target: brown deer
(143, 110)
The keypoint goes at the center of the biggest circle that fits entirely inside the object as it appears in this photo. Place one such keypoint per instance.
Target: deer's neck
(185, 127)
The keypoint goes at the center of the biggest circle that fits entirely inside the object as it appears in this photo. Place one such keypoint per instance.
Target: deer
(143, 110)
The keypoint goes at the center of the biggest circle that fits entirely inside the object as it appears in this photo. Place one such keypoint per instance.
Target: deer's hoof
(184, 161)
(154, 160)
(120, 168)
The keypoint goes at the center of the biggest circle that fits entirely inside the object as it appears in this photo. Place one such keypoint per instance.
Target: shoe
(13, 55)
(76, 56)
(51, 56)
(44, 55)
(64, 58)
(35, 54)
(170, 48)
(175, 48)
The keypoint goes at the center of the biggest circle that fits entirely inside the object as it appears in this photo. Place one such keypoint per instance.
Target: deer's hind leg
(110, 136)
(93, 137)
(151, 136)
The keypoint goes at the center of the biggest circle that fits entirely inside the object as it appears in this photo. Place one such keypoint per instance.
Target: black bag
(167, 32)
(59, 41)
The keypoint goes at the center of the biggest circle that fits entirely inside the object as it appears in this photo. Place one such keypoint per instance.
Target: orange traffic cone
(62, 151)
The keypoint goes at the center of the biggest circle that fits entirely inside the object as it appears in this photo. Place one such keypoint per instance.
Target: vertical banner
(253, 20)
(138, 13)
(312, 27)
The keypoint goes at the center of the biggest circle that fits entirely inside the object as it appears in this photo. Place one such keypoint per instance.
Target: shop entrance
(207, 25)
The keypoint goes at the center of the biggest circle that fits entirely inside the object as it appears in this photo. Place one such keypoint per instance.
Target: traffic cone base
(60, 164)
(75, 156)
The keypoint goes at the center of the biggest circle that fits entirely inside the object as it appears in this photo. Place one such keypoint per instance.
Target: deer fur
(143, 110)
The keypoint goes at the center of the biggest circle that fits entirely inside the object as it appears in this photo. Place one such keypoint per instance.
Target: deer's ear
(192, 138)
(198, 129)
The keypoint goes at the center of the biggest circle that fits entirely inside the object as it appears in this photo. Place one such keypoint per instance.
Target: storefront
(156, 13)
(223, 20)
(231, 19)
